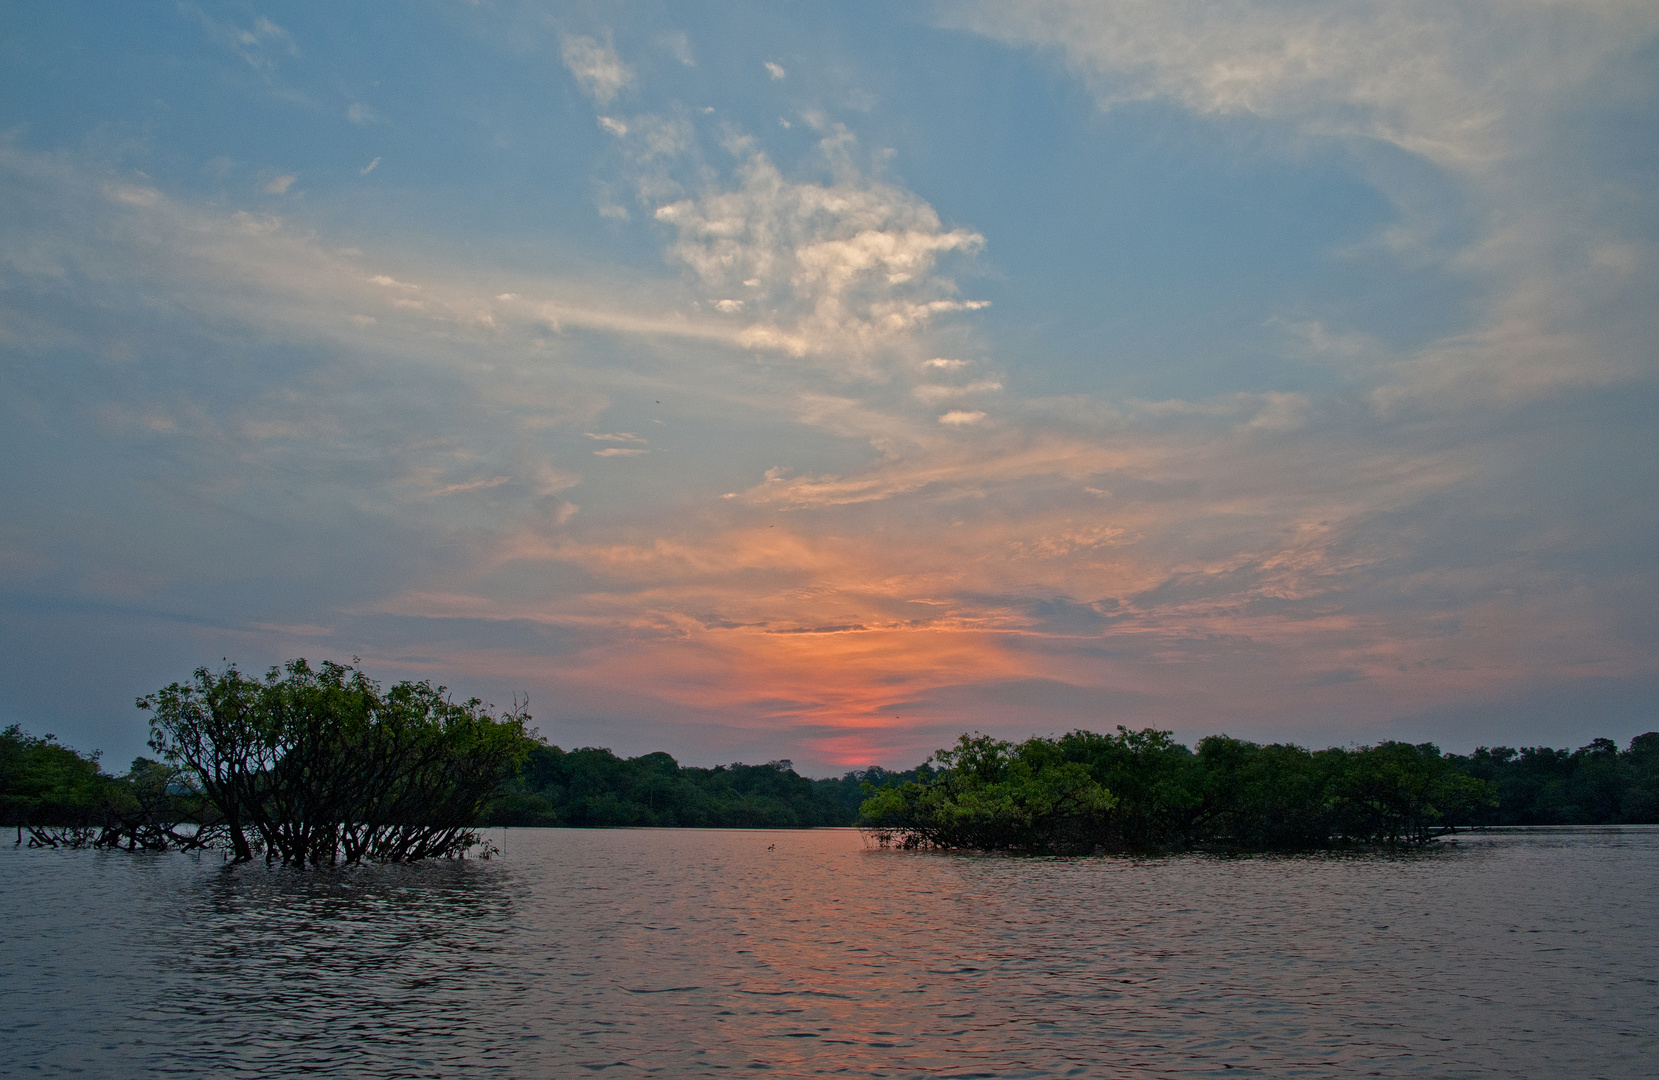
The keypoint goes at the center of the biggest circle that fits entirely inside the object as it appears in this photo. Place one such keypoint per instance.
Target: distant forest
(1130, 791)
(1594, 785)
(590, 788)
(1146, 773)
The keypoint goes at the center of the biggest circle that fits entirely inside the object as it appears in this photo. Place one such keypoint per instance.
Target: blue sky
(784, 380)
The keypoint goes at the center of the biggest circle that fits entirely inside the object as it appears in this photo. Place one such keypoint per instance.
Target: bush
(315, 766)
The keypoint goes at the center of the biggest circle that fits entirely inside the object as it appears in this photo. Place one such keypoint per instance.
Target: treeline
(60, 797)
(1593, 785)
(1143, 791)
(308, 766)
(595, 788)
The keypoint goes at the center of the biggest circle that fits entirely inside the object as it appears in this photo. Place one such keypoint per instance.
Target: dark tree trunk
(243, 852)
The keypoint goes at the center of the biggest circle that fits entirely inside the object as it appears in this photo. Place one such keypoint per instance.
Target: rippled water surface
(690, 953)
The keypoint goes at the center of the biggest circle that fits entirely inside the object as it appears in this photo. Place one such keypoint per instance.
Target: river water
(716, 953)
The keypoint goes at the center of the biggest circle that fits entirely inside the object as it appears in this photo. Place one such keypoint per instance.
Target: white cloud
(596, 66)
(776, 70)
(614, 126)
(616, 436)
(133, 195)
(1455, 82)
(369, 168)
(961, 418)
(845, 267)
(359, 113)
(948, 365)
(1280, 412)
(620, 451)
(279, 185)
(1487, 92)
(934, 392)
(471, 485)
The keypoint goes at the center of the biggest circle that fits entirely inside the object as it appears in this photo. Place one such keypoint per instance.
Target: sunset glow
(751, 383)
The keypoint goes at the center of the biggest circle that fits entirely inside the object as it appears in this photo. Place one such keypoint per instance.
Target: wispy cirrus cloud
(1461, 84)
(1484, 91)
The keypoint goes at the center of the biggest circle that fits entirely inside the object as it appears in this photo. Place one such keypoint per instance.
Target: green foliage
(316, 765)
(1142, 791)
(45, 783)
(64, 799)
(1153, 777)
(1397, 793)
(595, 788)
(1264, 798)
(1593, 785)
(992, 795)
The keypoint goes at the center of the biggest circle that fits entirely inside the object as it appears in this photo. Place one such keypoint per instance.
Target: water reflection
(373, 970)
(701, 953)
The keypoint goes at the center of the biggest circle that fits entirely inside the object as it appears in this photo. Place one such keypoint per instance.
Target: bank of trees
(1597, 784)
(61, 798)
(312, 766)
(1142, 791)
(592, 787)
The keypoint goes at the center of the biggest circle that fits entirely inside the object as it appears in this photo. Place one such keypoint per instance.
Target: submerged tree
(1142, 791)
(320, 765)
(61, 798)
(991, 795)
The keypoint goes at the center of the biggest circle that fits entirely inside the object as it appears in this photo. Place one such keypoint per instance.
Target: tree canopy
(1143, 791)
(318, 765)
(592, 787)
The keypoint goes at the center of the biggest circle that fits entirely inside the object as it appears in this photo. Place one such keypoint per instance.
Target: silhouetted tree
(322, 764)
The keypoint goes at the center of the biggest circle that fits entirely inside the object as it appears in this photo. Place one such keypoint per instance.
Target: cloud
(1485, 93)
(369, 168)
(252, 43)
(961, 418)
(1453, 82)
(434, 415)
(935, 392)
(358, 113)
(471, 485)
(279, 185)
(844, 268)
(133, 194)
(596, 66)
(776, 70)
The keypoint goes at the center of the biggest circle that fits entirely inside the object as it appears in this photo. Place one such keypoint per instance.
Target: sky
(822, 381)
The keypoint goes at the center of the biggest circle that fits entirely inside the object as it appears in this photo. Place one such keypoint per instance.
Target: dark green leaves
(317, 765)
(1142, 791)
